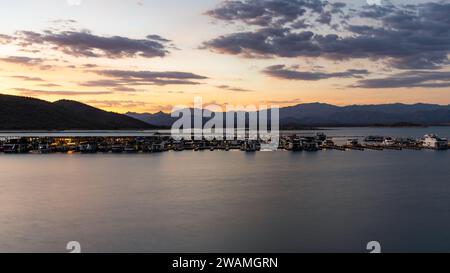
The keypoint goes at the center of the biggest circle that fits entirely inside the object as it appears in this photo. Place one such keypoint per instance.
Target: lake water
(329, 201)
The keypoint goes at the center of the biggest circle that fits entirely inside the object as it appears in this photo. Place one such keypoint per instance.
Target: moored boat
(434, 142)
(117, 148)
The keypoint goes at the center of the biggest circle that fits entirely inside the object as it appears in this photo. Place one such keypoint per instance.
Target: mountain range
(23, 113)
(319, 114)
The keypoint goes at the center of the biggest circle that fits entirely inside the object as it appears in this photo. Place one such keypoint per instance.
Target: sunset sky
(149, 55)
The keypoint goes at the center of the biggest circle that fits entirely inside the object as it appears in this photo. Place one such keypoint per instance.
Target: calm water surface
(329, 201)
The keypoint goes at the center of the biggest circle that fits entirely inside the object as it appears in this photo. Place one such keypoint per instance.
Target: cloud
(32, 92)
(86, 44)
(102, 83)
(410, 79)
(274, 102)
(234, 89)
(90, 65)
(270, 12)
(30, 79)
(116, 103)
(49, 85)
(27, 61)
(21, 60)
(64, 21)
(5, 39)
(290, 73)
(406, 36)
(127, 77)
(125, 89)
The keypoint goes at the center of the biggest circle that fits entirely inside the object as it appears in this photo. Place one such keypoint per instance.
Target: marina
(158, 143)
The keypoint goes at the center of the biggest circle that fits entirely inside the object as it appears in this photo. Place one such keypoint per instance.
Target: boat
(188, 145)
(131, 148)
(15, 148)
(293, 143)
(87, 148)
(296, 145)
(321, 137)
(104, 148)
(374, 139)
(309, 144)
(158, 147)
(329, 142)
(434, 142)
(250, 146)
(44, 149)
(117, 148)
(388, 142)
(178, 146)
(353, 142)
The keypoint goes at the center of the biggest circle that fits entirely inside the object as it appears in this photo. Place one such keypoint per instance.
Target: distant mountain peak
(323, 114)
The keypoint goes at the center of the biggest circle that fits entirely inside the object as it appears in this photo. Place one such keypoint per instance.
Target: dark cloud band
(86, 44)
(118, 78)
(283, 72)
(407, 37)
(410, 79)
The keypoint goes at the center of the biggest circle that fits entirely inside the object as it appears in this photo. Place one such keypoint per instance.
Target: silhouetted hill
(22, 113)
(158, 119)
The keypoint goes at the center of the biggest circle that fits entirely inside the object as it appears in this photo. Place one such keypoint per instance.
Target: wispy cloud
(5, 39)
(86, 44)
(233, 89)
(22, 60)
(290, 73)
(30, 79)
(34, 92)
(283, 102)
(49, 85)
(128, 77)
(410, 79)
(116, 103)
(27, 61)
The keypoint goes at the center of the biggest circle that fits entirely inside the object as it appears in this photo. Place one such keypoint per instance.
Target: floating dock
(165, 143)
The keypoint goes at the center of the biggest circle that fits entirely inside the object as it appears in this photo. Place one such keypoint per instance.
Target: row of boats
(160, 144)
(379, 143)
(120, 145)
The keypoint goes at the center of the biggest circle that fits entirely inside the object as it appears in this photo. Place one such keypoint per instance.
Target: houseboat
(250, 146)
(309, 144)
(87, 148)
(296, 145)
(178, 146)
(388, 142)
(378, 139)
(15, 148)
(117, 148)
(44, 148)
(434, 142)
(131, 148)
(353, 142)
(158, 147)
(104, 148)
